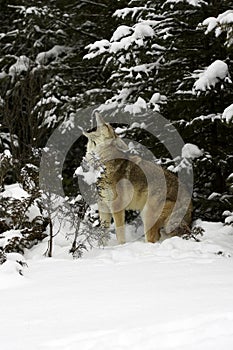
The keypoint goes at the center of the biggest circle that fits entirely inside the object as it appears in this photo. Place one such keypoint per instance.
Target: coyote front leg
(119, 220)
(105, 215)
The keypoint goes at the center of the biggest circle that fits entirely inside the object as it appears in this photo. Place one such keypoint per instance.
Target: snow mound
(172, 295)
(10, 269)
(171, 249)
(216, 242)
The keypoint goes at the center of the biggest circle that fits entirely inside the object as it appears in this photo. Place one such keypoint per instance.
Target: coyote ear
(99, 120)
(111, 130)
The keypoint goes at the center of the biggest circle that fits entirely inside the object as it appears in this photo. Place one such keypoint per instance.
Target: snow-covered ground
(176, 294)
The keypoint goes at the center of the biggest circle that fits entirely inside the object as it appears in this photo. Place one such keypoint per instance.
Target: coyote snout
(131, 183)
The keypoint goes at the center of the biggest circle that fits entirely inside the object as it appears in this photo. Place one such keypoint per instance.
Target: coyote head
(102, 138)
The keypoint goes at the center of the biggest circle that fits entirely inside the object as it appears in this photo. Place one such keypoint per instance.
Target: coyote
(128, 182)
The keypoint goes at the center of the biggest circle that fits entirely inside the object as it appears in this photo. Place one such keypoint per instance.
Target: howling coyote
(129, 182)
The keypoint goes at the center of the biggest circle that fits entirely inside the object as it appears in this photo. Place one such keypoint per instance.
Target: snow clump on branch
(228, 114)
(216, 72)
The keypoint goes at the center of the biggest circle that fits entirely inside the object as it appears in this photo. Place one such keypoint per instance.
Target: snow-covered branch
(217, 72)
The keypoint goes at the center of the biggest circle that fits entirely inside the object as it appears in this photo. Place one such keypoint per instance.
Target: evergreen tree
(43, 78)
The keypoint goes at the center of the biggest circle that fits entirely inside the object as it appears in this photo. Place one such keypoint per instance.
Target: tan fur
(130, 182)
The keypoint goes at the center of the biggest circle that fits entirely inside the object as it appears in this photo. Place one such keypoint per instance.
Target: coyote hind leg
(151, 225)
(152, 235)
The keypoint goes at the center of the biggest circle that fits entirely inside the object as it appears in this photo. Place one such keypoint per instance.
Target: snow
(97, 48)
(124, 44)
(52, 54)
(228, 114)
(22, 64)
(90, 177)
(121, 32)
(139, 69)
(158, 47)
(197, 3)
(172, 295)
(6, 154)
(192, 151)
(3, 74)
(14, 191)
(8, 235)
(137, 107)
(229, 217)
(225, 17)
(156, 100)
(175, 294)
(31, 10)
(138, 33)
(220, 24)
(214, 73)
(122, 13)
(48, 100)
(212, 22)
(143, 30)
(117, 101)
(12, 266)
(122, 39)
